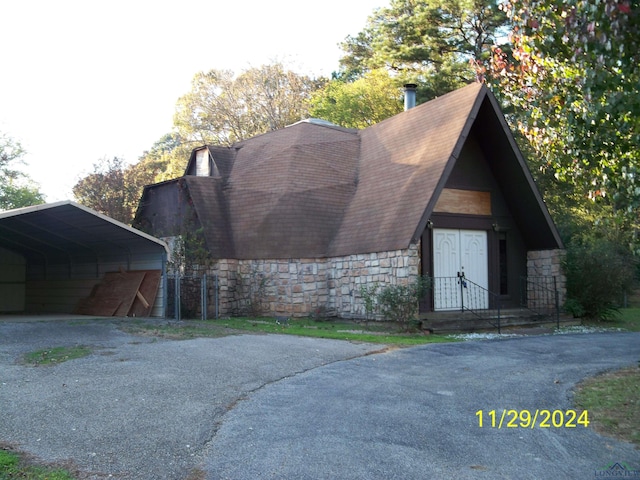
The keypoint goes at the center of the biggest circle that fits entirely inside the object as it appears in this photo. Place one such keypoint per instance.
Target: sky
(83, 80)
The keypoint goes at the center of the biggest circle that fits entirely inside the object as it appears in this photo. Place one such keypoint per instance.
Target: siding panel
(12, 278)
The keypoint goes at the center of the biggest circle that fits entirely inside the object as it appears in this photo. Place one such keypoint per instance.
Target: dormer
(202, 163)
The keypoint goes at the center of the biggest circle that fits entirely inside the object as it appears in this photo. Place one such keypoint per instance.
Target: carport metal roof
(67, 232)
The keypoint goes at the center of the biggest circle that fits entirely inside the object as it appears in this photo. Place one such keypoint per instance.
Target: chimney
(410, 95)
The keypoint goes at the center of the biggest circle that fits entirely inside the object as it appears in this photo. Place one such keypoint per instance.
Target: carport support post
(165, 286)
(204, 296)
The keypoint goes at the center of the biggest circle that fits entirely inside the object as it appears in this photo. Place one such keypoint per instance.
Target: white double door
(457, 252)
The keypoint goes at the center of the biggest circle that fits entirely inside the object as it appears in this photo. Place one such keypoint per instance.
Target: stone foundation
(309, 286)
(326, 287)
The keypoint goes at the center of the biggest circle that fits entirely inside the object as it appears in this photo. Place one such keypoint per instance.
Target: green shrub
(369, 298)
(399, 303)
(598, 273)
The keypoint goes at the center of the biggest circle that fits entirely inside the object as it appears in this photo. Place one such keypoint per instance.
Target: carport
(52, 256)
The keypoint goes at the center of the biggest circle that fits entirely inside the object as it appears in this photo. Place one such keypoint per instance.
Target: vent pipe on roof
(410, 95)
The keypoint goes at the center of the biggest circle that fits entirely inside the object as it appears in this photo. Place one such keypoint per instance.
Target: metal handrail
(487, 313)
(453, 293)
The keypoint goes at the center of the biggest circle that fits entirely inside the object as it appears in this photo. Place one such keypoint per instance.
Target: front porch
(468, 321)
(462, 305)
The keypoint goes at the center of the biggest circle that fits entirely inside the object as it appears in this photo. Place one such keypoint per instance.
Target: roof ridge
(320, 122)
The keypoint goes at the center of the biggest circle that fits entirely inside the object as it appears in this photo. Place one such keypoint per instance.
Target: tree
(428, 43)
(358, 104)
(114, 188)
(107, 191)
(223, 109)
(167, 159)
(598, 275)
(220, 109)
(16, 188)
(571, 79)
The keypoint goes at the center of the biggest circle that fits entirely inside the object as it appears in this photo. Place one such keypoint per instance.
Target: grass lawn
(613, 403)
(627, 319)
(613, 399)
(350, 331)
(16, 466)
(52, 356)
(372, 332)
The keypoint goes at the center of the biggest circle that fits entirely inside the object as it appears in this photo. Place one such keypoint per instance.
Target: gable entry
(460, 264)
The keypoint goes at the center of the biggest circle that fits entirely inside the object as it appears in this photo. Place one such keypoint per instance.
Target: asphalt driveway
(138, 408)
(280, 407)
(412, 414)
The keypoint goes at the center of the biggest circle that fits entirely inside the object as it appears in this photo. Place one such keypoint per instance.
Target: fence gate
(192, 297)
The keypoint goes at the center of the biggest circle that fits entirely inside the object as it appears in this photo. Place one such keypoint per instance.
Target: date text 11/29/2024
(532, 418)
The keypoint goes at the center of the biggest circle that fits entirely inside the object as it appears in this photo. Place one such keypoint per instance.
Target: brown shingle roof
(211, 207)
(313, 190)
(402, 161)
(288, 190)
(284, 196)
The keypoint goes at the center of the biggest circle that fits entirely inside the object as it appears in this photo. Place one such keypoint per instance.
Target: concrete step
(446, 322)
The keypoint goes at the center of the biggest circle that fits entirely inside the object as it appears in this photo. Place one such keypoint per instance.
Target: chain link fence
(192, 297)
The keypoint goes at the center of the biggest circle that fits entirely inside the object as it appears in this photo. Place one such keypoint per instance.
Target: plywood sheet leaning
(115, 295)
(146, 294)
(127, 289)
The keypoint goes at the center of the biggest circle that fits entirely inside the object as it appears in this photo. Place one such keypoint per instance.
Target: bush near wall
(599, 273)
(399, 303)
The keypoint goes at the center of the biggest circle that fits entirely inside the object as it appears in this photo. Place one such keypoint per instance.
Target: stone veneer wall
(310, 286)
(548, 264)
(348, 274)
